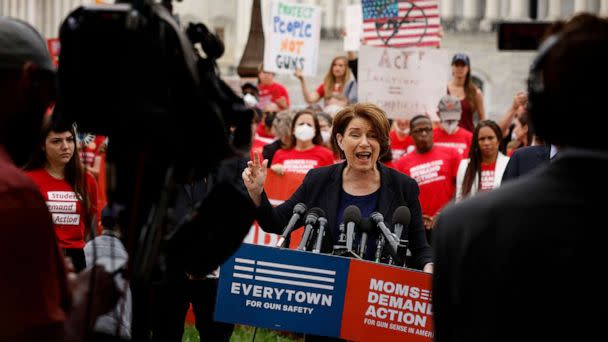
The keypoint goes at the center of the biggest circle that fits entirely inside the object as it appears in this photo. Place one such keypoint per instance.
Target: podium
(325, 295)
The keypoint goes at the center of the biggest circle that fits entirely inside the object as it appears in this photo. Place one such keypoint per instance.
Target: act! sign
(324, 295)
(292, 38)
(403, 82)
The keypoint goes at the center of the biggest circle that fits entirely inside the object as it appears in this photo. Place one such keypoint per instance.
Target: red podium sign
(387, 304)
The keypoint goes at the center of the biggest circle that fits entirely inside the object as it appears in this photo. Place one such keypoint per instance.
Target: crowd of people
(351, 153)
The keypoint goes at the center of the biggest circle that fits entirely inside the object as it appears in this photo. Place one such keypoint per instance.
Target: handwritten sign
(292, 38)
(403, 82)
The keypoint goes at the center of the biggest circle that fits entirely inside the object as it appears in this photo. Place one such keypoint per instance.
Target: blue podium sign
(283, 290)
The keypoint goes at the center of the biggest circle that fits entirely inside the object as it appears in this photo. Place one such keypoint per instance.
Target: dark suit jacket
(524, 261)
(321, 188)
(525, 160)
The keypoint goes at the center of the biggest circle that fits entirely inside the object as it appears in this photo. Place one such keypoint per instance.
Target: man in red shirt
(271, 91)
(433, 167)
(448, 133)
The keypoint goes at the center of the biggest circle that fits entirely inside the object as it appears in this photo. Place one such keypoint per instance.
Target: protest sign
(292, 38)
(403, 82)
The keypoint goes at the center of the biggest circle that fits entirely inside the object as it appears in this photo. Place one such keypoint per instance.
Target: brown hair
(369, 112)
(470, 89)
(73, 174)
(329, 81)
(317, 140)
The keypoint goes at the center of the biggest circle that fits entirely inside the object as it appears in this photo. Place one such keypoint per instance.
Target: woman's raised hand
(298, 74)
(254, 177)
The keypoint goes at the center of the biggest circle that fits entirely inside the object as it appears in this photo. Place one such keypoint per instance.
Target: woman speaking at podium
(361, 135)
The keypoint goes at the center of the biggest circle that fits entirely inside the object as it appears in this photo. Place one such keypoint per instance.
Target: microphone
(311, 219)
(366, 226)
(401, 219)
(298, 210)
(379, 248)
(352, 217)
(321, 232)
(390, 238)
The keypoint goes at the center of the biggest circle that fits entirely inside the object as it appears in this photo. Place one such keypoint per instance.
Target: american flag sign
(401, 23)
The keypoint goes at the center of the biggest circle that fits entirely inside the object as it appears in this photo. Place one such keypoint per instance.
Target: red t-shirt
(65, 206)
(302, 161)
(398, 145)
(487, 176)
(91, 147)
(460, 140)
(33, 285)
(271, 93)
(435, 172)
(338, 89)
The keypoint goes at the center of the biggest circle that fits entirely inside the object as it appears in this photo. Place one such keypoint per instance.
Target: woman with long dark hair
(485, 166)
(70, 193)
(470, 96)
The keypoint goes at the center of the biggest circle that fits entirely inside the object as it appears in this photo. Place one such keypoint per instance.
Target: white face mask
(450, 126)
(304, 132)
(250, 100)
(326, 136)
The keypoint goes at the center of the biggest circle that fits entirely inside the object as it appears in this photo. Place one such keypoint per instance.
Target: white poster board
(292, 38)
(403, 82)
(353, 22)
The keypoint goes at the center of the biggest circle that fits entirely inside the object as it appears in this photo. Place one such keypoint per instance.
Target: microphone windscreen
(366, 225)
(299, 208)
(402, 215)
(352, 214)
(313, 215)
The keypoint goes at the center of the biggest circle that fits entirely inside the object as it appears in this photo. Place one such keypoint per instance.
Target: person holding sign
(305, 149)
(271, 91)
(360, 134)
(336, 81)
(462, 86)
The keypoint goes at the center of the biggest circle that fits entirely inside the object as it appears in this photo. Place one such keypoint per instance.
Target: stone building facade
(469, 27)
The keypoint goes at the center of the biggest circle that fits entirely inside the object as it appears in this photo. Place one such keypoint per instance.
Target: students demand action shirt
(302, 161)
(65, 206)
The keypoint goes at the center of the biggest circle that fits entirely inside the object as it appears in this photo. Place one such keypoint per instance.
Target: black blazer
(525, 160)
(524, 261)
(321, 188)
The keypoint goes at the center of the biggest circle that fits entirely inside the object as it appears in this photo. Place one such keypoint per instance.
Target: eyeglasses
(270, 113)
(422, 130)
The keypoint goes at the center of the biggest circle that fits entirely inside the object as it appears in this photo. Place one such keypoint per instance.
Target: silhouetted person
(518, 263)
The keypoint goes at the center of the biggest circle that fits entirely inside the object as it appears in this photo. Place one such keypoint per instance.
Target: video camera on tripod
(129, 72)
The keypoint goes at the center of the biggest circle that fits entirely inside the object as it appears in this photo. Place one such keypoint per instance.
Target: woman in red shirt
(70, 193)
(337, 81)
(485, 166)
(305, 150)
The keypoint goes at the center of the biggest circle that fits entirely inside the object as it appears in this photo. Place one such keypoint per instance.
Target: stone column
(491, 15)
(554, 10)
(519, 10)
(603, 8)
(581, 6)
(242, 22)
(447, 9)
